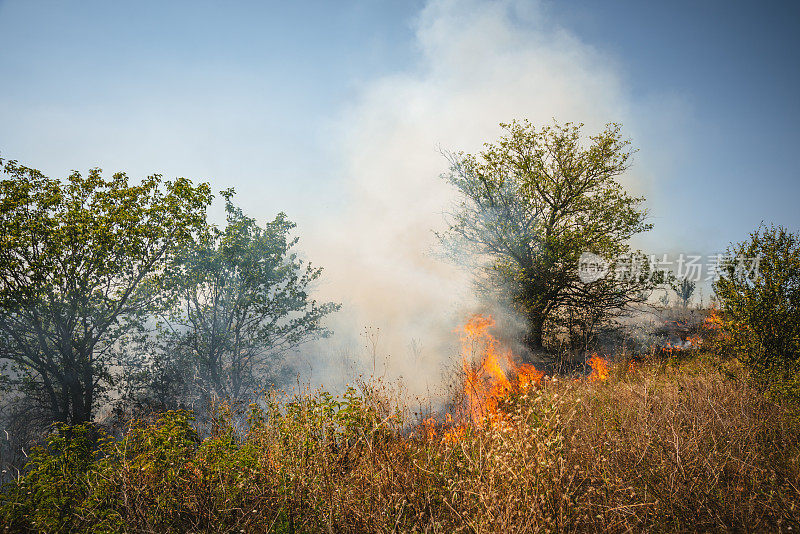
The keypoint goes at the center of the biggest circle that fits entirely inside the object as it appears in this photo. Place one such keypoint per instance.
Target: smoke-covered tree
(82, 262)
(245, 301)
(664, 299)
(532, 203)
(154, 378)
(685, 291)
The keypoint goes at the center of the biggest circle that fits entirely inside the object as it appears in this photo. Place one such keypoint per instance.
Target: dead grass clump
(682, 451)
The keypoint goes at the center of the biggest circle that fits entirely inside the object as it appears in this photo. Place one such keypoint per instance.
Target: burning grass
(651, 448)
(491, 373)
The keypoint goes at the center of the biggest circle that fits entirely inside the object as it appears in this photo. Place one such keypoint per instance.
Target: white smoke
(480, 63)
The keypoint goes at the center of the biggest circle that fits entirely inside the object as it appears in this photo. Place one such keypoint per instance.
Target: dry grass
(659, 449)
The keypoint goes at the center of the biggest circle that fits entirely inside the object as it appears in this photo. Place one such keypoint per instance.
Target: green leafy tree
(532, 203)
(245, 301)
(82, 262)
(759, 295)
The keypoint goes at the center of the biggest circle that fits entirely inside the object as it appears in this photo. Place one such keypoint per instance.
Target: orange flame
(487, 367)
(454, 433)
(599, 367)
(713, 321)
(717, 328)
(429, 426)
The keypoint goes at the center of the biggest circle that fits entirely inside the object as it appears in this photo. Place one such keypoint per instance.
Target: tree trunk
(534, 338)
(79, 395)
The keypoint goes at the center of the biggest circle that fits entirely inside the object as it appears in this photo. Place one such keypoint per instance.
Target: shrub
(51, 495)
(761, 308)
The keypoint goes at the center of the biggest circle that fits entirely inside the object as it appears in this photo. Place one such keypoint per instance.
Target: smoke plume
(480, 63)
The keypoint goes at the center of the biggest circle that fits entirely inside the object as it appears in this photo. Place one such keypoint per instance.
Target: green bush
(52, 496)
(761, 307)
(85, 481)
(162, 477)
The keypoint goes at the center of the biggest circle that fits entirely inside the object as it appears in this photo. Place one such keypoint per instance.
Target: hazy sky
(334, 112)
(253, 94)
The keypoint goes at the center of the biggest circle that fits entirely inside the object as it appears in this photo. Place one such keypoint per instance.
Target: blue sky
(334, 111)
(736, 65)
(236, 93)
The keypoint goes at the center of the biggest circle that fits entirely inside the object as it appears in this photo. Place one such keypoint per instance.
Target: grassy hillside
(658, 446)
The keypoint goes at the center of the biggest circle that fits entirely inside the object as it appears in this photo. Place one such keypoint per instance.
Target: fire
(429, 426)
(528, 375)
(491, 374)
(690, 343)
(599, 367)
(713, 321)
(719, 329)
(487, 367)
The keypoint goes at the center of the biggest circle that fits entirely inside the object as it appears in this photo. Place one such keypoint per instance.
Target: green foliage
(162, 477)
(761, 307)
(324, 420)
(244, 300)
(51, 497)
(81, 262)
(537, 199)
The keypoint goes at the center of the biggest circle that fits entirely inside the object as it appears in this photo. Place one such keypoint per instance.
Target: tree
(532, 203)
(685, 290)
(664, 299)
(759, 295)
(82, 262)
(155, 378)
(245, 300)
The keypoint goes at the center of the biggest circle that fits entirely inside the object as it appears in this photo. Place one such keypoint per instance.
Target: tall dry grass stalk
(654, 449)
